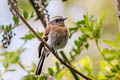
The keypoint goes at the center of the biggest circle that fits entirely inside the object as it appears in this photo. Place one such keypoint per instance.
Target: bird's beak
(64, 19)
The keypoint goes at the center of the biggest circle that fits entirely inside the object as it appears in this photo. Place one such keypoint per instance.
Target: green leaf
(71, 56)
(71, 29)
(98, 27)
(31, 36)
(15, 59)
(77, 51)
(86, 21)
(9, 28)
(110, 58)
(25, 14)
(111, 43)
(80, 22)
(103, 18)
(114, 70)
(87, 65)
(97, 31)
(15, 56)
(78, 44)
(86, 31)
(110, 76)
(28, 37)
(2, 27)
(83, 38)
(118, 66)
(32, 14)
(57, 66)
(91, 24)
(86, 46)
(60, 76)
(16, 20)
(6, 65)
(30, 77)
(109, 52)
(101, 76)
(51, 72)
(43, 78)
(105, 67)
(40, 34)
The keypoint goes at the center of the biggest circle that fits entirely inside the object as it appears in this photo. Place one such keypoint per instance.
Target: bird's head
(57, 20)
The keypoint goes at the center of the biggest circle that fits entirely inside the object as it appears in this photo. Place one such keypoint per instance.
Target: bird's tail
(40, 64)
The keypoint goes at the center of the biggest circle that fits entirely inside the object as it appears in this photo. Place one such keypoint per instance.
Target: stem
(23, 67)
(98, 46)
(45, 44)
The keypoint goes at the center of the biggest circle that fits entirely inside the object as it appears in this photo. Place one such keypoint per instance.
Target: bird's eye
(57, 20)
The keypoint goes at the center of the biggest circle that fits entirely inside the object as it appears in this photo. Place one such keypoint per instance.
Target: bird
(56, 34)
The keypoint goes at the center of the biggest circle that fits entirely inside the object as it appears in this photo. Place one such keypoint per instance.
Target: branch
(118, 11)
(40, 10)
(21, 65)
(50, 49)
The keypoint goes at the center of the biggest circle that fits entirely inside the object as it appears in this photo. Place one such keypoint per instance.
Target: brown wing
(45, 37)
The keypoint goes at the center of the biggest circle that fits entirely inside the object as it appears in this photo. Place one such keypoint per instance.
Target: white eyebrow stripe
(56, 17)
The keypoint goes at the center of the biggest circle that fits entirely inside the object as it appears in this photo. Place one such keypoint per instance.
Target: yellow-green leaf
(111, 43)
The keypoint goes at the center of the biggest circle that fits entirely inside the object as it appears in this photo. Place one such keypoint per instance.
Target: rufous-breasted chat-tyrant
(56, 34)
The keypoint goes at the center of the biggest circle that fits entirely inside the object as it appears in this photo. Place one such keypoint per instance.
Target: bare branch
(41, 11)
(51, 49)
(16, 5)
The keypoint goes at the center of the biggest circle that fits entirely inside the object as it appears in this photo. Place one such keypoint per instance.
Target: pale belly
(57, 41)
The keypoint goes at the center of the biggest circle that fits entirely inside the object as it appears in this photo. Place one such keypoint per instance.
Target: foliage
(31, 36)
(91, 29)
(112, 56)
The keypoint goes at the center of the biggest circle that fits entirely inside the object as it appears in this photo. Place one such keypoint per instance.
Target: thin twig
(50, 49)
(21, 65)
